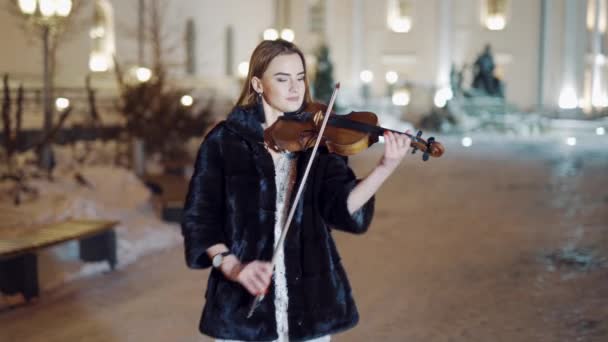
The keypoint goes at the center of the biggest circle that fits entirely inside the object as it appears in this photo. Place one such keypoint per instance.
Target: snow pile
(91, 192)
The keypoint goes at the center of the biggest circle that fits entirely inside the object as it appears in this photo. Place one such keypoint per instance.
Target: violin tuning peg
(425, 156)
(419, 134)
(429, 144)
(414, 150)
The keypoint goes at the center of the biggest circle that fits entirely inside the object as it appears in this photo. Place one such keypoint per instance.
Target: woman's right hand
(254, 276)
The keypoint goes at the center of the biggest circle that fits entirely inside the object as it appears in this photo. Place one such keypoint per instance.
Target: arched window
(102, 37)
(399, 15)
(494, 14)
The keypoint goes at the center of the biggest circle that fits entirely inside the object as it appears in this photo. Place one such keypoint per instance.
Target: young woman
(239, 197)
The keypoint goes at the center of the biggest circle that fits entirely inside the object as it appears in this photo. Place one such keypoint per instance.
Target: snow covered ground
(115, 193)
(110, 193)
(502, 240)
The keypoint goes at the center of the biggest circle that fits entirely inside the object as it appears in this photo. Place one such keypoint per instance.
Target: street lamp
(243, 70)
(62, 103)
(401, 97)
(143, 74)
(271, 34)
(47, 15)
(288, 34)
(391, 78)
(186, 100)
(442, 96)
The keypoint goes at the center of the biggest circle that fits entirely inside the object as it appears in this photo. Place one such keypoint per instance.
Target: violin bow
(258, 299)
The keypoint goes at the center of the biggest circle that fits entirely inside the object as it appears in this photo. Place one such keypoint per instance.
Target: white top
(285, 175)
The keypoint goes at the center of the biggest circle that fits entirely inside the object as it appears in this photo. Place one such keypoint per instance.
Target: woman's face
(283, 83)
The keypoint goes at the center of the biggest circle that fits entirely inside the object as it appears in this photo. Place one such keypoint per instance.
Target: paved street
(503, 241)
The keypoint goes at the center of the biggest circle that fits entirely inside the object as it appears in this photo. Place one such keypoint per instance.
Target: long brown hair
(261, 57)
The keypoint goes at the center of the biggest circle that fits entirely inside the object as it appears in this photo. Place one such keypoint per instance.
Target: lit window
(494, 14)
(399, 15)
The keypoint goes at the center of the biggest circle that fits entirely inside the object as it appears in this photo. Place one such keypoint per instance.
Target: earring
(260, 108)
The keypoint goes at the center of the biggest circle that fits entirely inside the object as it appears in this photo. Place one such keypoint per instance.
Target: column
(545, 9)
(357, 41)
(444, 49)
(596, 41)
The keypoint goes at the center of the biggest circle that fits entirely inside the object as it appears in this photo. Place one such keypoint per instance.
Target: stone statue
(483, 74)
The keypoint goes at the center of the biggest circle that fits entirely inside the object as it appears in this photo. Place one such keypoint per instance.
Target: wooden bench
(18, 259)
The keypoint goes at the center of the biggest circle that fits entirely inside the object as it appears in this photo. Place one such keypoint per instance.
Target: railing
(105, 106)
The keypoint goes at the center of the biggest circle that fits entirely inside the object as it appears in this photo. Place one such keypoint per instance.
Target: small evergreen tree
(323, 85)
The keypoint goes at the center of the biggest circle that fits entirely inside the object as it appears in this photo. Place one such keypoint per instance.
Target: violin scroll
(429, 148)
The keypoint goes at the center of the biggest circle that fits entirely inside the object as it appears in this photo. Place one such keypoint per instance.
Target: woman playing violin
(237, 203)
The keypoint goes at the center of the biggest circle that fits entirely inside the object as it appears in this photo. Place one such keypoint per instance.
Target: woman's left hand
(395, 149)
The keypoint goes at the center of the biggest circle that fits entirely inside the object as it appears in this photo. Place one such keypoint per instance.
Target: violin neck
(337, 121)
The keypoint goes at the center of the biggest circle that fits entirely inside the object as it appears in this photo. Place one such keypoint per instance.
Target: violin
(342, 134)
(345, 134)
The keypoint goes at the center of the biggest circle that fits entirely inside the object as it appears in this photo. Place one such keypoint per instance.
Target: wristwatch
(218, 259)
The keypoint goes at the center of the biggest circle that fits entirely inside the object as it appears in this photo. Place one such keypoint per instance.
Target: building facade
(549, 53)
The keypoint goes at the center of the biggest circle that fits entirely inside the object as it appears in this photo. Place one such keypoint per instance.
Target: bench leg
(20, 275)
(99, 248)
(172, 213)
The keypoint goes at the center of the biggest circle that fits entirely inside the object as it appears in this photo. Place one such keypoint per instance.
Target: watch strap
(222, 255)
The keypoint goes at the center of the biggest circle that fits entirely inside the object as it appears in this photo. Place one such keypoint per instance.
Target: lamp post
(391, 78)
(366, 78)
(46, 15)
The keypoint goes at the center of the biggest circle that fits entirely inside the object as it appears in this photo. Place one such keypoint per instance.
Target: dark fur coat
(232, 200)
